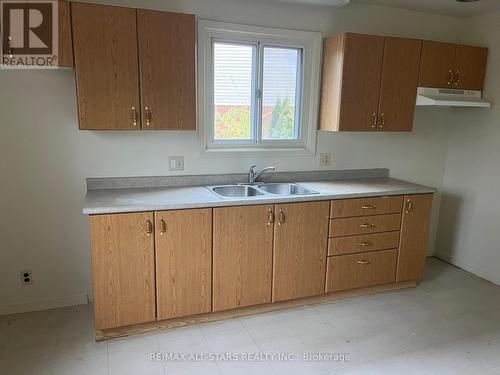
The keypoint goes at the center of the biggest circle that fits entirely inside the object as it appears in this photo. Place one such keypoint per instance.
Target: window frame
(307, 91)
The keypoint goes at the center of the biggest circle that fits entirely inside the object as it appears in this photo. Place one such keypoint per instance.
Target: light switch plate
(325, 159)
(176, 163)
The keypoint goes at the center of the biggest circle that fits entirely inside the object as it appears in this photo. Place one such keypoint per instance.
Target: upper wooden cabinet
(167, 70)
(134, 68)
(123, 274)
(414, 236)
(454, 66)
(300, 250)
(369, 83)
(183, 262)
(65, 52)
(105, 48)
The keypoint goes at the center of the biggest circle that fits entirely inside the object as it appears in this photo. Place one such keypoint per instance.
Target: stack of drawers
(363, 242)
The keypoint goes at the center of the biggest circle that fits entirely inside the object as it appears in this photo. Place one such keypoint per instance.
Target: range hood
(450, 98)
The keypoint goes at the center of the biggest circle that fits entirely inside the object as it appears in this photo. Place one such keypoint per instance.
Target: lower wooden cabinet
(361, 270)
(414, 237)
(300, 247)
(123, 274)
(183, 262)
(242, 256)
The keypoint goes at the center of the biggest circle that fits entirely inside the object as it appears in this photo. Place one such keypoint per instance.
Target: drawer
(361, 270)
(365, 224)
(363, 243)
(366, 206)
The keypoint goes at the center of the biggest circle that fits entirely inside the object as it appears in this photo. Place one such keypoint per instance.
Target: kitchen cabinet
(183, 241)
(369, 83)
(300, 247)
(123, 275)
(454, 66)
(167, 70)
(135, 69)
(65, 49)
(242, 256)
(106, 66)
(414, 237)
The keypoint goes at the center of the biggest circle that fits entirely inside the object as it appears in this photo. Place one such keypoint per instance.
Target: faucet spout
(253, 176)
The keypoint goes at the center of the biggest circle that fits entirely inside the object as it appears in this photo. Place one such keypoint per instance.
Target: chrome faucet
(252, 175)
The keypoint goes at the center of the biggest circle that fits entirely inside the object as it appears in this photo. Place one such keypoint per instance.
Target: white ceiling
(446, 7)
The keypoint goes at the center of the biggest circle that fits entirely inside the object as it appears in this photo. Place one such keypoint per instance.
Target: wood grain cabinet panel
(300, 247)
(65, 51)
(167, 70)
(414, 237)
(437, 64)
(470, 67)
(363, 243)
(242, 256)
(106, 66)
(398, 89)
(366, 206)
(183, 262)
(123, 273)
(361, 270)
(364, 225)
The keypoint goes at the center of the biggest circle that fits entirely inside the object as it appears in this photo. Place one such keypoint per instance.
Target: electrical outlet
(325, 159)
(176, 163)
(26, 277)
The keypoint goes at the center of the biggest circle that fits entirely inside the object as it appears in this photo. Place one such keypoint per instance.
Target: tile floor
(449, 324)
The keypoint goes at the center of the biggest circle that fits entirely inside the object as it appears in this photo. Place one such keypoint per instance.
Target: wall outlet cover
(26, 277)
(325, 159)
(176, 163)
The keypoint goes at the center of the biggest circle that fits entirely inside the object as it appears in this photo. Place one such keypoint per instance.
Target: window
(258, 88)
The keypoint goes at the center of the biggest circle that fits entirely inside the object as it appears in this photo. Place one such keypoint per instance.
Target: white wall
(44, 159)
(469, 221)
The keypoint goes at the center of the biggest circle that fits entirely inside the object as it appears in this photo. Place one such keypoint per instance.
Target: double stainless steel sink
(259, 190)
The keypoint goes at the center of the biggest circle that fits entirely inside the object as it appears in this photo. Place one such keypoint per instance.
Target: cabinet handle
(366, 225)
(134, 116)
(450, 78)
(270, 217)
(149, 229)
(374, 120)
(369, 207)
(148, 116)
(363, 244)
(457, 79)
(367, 261)
(281, 217)
(9, 42)
(409, 206)
(382, 120)
(163, 227)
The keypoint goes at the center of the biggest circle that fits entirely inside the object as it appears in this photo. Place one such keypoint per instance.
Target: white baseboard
(472, 269)
(46, 304)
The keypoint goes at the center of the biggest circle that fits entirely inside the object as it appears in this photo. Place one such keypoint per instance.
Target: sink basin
(236, 191)
(286, 189)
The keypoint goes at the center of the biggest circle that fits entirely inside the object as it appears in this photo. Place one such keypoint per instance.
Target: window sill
(256, 151)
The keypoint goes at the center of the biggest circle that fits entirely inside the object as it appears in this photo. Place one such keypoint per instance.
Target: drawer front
(365, 224)
(366, 206)
(361, 270)
(363, 243)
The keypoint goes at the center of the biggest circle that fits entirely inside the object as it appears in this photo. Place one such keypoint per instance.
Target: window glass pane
(279, 93)
(233, 78)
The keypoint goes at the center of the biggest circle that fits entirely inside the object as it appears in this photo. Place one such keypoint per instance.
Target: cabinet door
(183, 262)
(107, 81)
(65, 51)
(242, 256)
(470, 67)
(362, 69)
(300, 248)
(436, 64)
(167, 70)
(414, 235)
(398, 90)
(123, 269)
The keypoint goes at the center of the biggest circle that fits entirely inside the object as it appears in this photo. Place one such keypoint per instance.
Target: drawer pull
(368, 243)
(369, 207)
(367, 261)
(367, 225)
